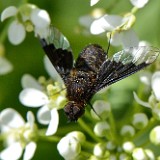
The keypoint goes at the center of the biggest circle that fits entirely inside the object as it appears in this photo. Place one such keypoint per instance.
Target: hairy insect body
(77, 84)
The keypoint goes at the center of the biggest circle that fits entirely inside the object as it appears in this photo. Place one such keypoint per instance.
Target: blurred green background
(28, 56)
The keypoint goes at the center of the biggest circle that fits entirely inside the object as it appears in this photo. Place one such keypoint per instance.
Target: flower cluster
(118, 27)
(27, 17)
(48, 95)
(18, 134)
(110, 141)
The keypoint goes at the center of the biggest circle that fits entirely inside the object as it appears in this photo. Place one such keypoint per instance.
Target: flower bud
(111, 145)
(123, 156)
(155, 135)
(128, 147)
(150, 154)
(127, 131)
(69, 147)
(101, 129)
(140, 120)
(78, 135)
(100, 151)
(139, 153)
(102, 109)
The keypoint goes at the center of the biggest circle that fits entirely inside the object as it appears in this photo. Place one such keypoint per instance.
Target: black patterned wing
(58, 50)
(91, 58)
(124, 64)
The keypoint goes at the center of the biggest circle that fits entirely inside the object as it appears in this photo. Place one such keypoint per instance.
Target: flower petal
(51, 70)
(29, 81)
(44, 115)
(32, 97)
(129, 39)
(155, 84)
(53, 125)
(5, 66)
(116, 39)
(16, 33)
(86, 20)
(41, 32)
(29, 151)
(139, 3)
(30, 118)
(11, 118)
(8, 12)
(139, 101)
(13, 152)
(40, 18)
(69, 147)
(93, 2)
(106, 23)
(145, 77)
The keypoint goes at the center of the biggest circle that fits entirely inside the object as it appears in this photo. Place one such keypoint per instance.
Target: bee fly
(93, 70)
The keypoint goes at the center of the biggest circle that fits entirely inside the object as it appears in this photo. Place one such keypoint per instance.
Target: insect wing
(124, 64)
(137, 55)
(58, 50)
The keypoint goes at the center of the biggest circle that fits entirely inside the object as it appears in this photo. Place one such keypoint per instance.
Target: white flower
(27, 18)
(121, 28)
(69, 147)
(41, 21)
(86, 20)
(5, 66)
(40, 18)
(126, 38)
(105, 23)
(18, 135)
(34, 95)
(139, 3)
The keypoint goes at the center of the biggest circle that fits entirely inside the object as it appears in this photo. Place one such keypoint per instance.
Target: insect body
(92, 70)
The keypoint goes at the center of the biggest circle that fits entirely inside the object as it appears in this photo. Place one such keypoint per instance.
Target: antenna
(89, 103)
(109, 43)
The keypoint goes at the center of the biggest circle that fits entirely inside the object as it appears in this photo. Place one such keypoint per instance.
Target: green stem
(50, 139)
(42, 136)
(86, 154)
(113, 132)
(134, 10)
(88, 130)
(4, 33)
(88, 145)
